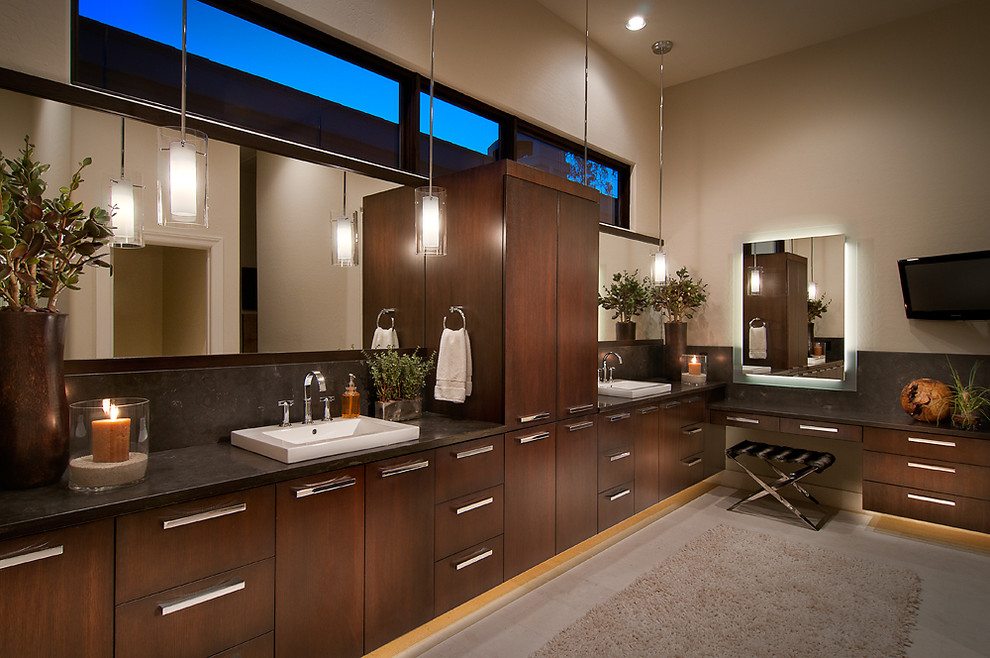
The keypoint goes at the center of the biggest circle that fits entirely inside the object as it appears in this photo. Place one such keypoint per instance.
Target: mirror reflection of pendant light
(812, 286)
(431, 202)
(182, 165)
(345, 247)
(754, 277)
(125, 207)
(658, 261)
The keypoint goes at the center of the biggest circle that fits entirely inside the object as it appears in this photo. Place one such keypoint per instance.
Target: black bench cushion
(819, 461)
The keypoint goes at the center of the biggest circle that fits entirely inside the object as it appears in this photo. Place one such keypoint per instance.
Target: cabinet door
(577, 307)
(399, 509)
(530, 303)
(319, 565)
(577, 478)
(530, 457)
(670, 458)
(646, 428)
(56, 593)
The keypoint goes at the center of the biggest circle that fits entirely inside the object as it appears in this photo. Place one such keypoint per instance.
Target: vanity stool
(807, 462)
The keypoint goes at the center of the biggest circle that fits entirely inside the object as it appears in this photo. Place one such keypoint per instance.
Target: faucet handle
(285, 404)
(601, 375)
(611, 373)
(327, 399)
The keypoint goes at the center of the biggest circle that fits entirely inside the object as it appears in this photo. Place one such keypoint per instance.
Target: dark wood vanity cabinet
(319, 565)
(56, 593)
(530, 498)
(682, 443)
(577, 481)
(616, 467)
(646, 430)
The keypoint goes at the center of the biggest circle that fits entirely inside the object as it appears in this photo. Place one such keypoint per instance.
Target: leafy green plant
(626, 296)
(970, 402)
(398, 376)
(44, 243)
(818, 307)
(677, 298)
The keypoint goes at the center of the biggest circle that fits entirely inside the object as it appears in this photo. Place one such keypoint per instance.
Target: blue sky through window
(456, 125)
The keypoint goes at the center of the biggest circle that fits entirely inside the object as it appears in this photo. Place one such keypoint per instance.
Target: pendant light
(182, 194)
(126, 210)
(658, 261)
(431, 202)
(812, 286)
(754, 277)
(344, 247)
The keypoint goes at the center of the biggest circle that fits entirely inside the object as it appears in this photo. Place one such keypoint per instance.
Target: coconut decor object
(928, 400)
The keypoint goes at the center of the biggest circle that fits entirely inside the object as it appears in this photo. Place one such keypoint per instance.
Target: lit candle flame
(110, 409)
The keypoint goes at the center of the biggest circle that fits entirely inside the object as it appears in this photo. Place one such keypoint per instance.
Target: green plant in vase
(970, 402)
(818, 307)
(678, 298)
(398, 380)
(627, 297)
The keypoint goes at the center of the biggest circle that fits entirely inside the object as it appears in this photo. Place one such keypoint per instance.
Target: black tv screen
(952, 287)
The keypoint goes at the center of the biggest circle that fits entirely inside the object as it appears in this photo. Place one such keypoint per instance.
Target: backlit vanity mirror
(794, 324)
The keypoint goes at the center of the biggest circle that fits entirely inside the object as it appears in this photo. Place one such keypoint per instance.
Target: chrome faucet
(307, 399)
(605, 373)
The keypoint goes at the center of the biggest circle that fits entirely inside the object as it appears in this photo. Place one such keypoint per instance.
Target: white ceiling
(716, 35)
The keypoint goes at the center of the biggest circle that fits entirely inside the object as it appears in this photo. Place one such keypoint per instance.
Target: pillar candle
(694, 367)
(111, 438)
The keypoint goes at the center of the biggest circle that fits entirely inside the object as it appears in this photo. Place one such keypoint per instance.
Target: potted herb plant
(970, 402)
(817, 307)
(44, 245)
(677, 298)
(398, 380)
(627, 297)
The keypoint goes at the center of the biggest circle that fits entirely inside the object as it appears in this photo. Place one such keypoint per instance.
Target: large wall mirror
(794, 323)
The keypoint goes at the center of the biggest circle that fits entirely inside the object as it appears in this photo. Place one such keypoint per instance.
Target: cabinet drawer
(690, 440)
(201, 618)
(615, 505)
(929, 474)
(615, 466)
(947, 509)
(819, 428)
(259, 647)
(960, 449)
(470, 466)
(465, 575)
(693, 469)
(170, 546)
(615, 430)
(465, 521)
(747, 420)
(692, 409)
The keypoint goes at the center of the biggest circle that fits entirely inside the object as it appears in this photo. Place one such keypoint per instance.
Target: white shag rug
(733, 592)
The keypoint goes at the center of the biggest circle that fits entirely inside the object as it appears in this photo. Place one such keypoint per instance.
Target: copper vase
(34, 413)
(674, 345)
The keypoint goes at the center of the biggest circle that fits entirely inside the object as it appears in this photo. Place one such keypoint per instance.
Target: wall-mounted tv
(951, 287)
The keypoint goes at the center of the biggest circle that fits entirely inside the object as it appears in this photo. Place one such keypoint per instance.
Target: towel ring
(760, 320)
(460, 311)
(385, 311)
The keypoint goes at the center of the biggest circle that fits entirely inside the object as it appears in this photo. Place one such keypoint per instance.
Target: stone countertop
(185, 474)
(608, 403)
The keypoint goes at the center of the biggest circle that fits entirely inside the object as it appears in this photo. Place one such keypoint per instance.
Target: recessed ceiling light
(635, 23)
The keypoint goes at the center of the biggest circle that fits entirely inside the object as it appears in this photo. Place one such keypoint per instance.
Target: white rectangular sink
(628, 388)
(321, 439)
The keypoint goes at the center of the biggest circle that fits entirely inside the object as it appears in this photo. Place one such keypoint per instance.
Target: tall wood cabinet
(782, 308)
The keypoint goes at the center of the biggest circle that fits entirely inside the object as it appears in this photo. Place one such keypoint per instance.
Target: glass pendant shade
(182, 195)
(126, 214)
(431, 221)
(812, 290)
(345, 245)
(754, 280)
(658, 267)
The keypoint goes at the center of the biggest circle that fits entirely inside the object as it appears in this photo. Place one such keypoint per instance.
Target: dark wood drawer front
(822, 429)
(691, 440)
(163, 548)
(470, 466)
(465, 521)
(929, 474)
(615, 505)
(693, 469)
(947, 509)
(467, 574)
(958, 449)
(615, 430)
(747, 420)
(259, 647)
(692, 409)
(615, 467)
(201, 618)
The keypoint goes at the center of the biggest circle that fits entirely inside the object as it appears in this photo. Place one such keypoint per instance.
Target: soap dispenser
(351, 405)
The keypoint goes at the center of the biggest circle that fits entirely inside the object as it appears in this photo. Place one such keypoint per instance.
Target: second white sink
(628, 388)
(322, 439)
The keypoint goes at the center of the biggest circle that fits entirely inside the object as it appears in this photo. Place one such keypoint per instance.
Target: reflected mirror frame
(850, 319)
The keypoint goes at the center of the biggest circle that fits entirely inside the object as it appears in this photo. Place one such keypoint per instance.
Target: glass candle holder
(109, 443)
(694, 369)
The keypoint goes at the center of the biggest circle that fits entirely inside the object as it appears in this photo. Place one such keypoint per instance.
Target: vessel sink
(628, 388)
(321, 439)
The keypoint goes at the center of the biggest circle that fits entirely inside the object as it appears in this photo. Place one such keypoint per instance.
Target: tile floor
(953, 620)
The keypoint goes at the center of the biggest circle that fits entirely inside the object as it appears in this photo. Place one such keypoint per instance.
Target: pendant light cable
(587, 33)
(433, 28)
(182, 100)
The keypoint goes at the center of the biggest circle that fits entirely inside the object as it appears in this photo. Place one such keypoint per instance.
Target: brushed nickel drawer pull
(693, 462)
(404, 468)
(671, 405)
(931, 467)
(473, 560)
(694, 430)
(473, 452)
(543, 415)
(818, 428)
(743, 419)
(580, 426)
(929, 499)
(933, 442)
(323, 487)
(534, 437)
(616, 417)
(621, 455)
(616, 496)
(474, 506)
(692, 400)
(32, 556)
(578, 409)
(204, 516)
(648, 410)
(201, 597)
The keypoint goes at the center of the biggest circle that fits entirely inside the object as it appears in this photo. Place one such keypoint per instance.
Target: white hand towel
(384, 338)
(758, 342)
(453, 366)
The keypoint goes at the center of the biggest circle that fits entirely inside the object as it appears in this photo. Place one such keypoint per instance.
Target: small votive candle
(109, 443)
(694, 369)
